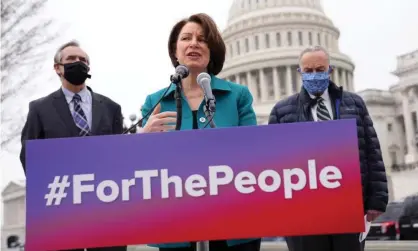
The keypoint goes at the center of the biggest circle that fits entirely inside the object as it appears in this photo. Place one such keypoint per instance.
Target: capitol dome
(264, 39)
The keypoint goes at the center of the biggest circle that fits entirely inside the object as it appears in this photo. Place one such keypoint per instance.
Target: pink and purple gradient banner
(230, 183)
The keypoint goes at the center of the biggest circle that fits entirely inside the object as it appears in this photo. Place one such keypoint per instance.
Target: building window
(300, 38)
(310, 38)
(414, 120)
(247, 45)
(258, 85)
(238, 49)
(282, 81)
(319, 38)
(278, 39)
(231, 51)
(256, 42)
(267, 40)
(393, 157)
(289, 38)
(389, 127)
(268, 74)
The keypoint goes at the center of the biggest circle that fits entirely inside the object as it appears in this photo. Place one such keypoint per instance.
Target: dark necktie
(80, 118)
(322, 112)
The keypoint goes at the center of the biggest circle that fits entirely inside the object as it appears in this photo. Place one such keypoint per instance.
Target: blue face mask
(315, 83)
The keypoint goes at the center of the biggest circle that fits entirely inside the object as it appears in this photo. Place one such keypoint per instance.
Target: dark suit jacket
(50, 117)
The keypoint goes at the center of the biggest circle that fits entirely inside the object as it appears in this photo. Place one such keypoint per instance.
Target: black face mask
(76, 73)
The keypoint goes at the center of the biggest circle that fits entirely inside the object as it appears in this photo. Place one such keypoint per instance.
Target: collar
(324, 95)
(216, 84)
(84, 94)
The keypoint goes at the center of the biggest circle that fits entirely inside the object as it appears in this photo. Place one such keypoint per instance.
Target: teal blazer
(233, 108)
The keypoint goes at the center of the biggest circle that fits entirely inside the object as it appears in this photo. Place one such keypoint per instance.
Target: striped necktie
(80, 118)
(322, 112)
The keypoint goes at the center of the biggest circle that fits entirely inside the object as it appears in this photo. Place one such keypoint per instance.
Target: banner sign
(229, 183)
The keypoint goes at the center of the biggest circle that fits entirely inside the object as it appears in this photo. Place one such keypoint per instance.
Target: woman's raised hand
(160, 121)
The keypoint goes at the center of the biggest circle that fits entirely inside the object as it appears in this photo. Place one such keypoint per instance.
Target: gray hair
(313, 49)
(58, 56)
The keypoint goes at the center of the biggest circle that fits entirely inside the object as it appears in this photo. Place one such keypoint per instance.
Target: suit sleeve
(118, 121)
(31, 130)
(377, 186)
(246, 112)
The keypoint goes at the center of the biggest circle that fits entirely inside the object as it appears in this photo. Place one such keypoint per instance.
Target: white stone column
(263, 85)
(298, 82)
(252, 86)
(295, 40)
(272, 39)
(344, 79)
(238, 79)
(330, 42)
(289, 89)
(409, 129)
(336, 76)
(276, 83)
(350, 82)
(324, 40)
(305, 35)
(251, 43)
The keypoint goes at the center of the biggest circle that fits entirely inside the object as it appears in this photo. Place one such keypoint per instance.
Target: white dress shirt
(86, 102)
(327, 103)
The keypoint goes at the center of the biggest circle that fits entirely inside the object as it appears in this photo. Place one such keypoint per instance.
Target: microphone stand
(177, 97)
(202, 246)
(209, 110)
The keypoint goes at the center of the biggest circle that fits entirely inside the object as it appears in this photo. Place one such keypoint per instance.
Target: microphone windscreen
(203, 79)
(182, 70)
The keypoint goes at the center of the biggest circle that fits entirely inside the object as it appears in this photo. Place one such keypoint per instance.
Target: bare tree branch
(24, 35)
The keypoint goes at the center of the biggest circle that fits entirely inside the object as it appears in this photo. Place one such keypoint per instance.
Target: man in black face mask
(74, 110)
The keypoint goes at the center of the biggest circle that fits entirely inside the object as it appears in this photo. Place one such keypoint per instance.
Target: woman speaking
(197, 44)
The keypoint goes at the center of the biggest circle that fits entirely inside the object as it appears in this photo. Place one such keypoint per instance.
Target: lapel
(335, 93)
(97, 111)
(305, 104)
(61, 106)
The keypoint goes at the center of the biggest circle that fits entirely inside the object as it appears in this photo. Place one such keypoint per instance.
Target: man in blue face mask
(319, 100)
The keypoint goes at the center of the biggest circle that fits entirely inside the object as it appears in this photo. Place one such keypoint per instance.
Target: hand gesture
(159, 122)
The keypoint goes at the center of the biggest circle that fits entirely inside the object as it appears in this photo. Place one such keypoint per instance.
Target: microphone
(180, 73)
(204, 79)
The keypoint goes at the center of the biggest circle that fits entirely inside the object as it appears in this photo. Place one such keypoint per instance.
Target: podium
(138, 189)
